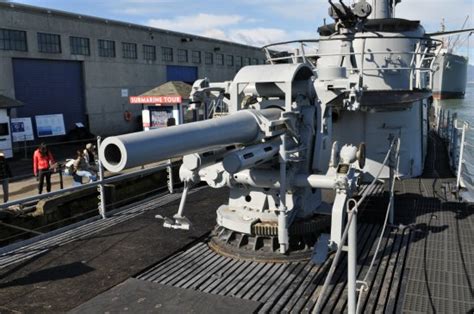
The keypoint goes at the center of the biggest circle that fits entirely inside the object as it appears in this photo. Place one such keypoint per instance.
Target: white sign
(124, 92)
(50, 125)
(22, 130)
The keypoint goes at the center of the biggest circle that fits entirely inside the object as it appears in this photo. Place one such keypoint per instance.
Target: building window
(49, 43)
(229, 60)
(182, 55)
(196, 56)
(208, 58)
(13, 40)
(129, 50)
(238, 62)
(255, 61)
(219, 59)
(106, 48)
(149, 52)
(247, 61)
(167, 54)
(80, 46)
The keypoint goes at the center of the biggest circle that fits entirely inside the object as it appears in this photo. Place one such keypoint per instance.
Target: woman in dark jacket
(5, 174)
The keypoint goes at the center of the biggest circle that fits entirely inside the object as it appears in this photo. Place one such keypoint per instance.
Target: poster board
(22, 129)
(50, 125)
(159, 118)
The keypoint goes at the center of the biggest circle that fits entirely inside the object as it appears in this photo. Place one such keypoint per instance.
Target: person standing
(43, 161)
(5, 174)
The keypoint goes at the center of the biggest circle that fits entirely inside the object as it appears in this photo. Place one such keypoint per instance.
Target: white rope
(317, 308)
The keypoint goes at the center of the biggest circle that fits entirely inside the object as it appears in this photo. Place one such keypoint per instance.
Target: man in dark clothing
(5, 174)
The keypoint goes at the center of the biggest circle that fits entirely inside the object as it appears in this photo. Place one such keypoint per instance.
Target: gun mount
(268, 150)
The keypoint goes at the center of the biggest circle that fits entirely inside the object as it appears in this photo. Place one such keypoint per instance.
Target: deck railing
(459, 137)
(102, 205)
(422, 57)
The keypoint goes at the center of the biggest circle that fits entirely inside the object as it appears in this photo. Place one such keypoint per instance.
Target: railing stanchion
(352, 263)
(101, 187)
(461, 156)
(169, 170)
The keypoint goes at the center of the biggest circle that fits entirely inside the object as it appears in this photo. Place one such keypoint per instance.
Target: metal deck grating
(440, 262)
(424, 267)
(18, 252)
(292, 287)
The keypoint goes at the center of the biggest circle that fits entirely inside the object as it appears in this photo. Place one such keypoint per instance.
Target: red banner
(155, 99)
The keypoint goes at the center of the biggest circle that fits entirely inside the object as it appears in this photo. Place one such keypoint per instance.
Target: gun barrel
(130, 150)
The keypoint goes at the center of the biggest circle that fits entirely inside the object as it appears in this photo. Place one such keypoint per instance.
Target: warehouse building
(85, 67)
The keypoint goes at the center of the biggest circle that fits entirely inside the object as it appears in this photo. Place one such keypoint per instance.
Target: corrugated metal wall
(181, 73)
(50, 87)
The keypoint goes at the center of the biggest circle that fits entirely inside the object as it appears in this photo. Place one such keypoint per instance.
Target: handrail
(448, 129)
(299, 41)
(86, 186)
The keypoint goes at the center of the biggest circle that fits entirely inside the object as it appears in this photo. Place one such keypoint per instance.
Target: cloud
(431, 12)
(201, 22)
(257, 36)
(226, 27)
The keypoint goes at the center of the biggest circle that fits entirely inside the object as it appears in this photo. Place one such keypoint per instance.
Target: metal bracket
(178, 221)
(270, 128)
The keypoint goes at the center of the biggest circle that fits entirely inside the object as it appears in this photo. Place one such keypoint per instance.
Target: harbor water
(464, 108)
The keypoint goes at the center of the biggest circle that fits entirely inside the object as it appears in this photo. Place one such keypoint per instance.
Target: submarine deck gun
(264, 150)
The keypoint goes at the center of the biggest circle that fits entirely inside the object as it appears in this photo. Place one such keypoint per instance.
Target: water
(465, 112)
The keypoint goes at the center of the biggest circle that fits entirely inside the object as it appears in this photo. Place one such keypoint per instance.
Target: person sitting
(82, 169)
(90, 156)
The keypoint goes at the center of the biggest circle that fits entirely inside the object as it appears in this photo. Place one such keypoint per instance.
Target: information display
(22, 129)
(50, 125)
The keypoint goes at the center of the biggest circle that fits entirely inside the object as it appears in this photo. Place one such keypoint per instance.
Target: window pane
(13, 40)
(219, 59)
(106, 48)
(196, 57)
(182, 55)
(167, 54)
(49, 43)
(238, 62)
(209, 58)
(129, 50)
(149, 52)
(230, 60)
(80, 46)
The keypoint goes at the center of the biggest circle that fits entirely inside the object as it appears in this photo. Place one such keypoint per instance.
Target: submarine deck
(130, 263)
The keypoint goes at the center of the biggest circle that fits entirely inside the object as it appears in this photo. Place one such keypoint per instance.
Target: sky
(257, 22)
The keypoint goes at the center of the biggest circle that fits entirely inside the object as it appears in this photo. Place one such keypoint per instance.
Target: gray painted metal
(450, 77)
(130, 150)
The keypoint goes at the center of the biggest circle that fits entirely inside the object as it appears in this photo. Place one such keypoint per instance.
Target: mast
(383, 9)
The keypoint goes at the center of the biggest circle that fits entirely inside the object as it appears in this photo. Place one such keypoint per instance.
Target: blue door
(50, 87)
(181, 73)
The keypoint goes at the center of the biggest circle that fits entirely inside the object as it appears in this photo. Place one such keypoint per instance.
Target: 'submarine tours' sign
(155, 99)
